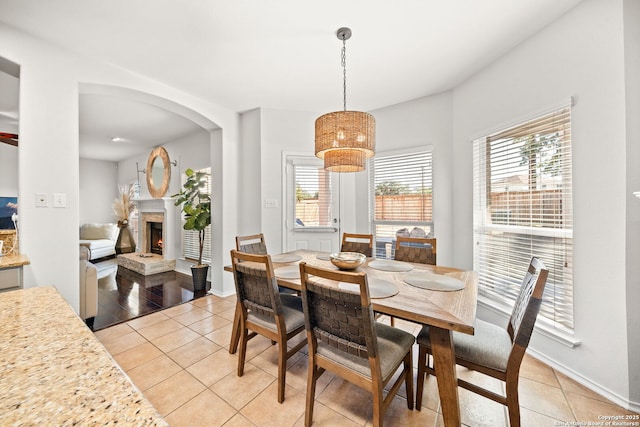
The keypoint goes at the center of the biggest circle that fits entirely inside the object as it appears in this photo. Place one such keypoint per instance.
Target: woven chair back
(252, 244)
(341, 319)
(527, 306)
(256, 284)
(415, 249)
(361, 243)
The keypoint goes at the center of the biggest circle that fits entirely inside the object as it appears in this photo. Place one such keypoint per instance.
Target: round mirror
(158, 172)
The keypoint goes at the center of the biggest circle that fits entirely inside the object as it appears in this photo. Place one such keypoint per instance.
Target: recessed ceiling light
(117, 139)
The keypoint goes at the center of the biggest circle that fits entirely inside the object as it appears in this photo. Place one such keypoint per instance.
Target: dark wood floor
(124, 294)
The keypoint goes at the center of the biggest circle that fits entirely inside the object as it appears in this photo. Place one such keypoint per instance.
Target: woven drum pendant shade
(345, 139)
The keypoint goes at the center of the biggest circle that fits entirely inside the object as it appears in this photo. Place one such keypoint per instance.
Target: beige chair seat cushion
(490, 345)
(393, 344)
(292, 310)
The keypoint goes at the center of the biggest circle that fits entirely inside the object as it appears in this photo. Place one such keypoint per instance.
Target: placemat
(285, 258)
(290, 272)
(390, 265)
(324, 256)
(433, 282)
(378, 288)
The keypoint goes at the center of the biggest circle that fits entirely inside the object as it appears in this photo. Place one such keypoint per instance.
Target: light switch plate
(42, 200)
(271, 203)
(59, 200)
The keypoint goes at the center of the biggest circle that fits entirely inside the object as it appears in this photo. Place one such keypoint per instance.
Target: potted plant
(195, 203)
(122, 206)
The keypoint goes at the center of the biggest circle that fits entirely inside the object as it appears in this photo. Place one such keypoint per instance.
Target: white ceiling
(282, 54)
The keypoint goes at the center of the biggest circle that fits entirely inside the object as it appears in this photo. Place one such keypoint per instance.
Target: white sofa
(99, 239)
(88, 287)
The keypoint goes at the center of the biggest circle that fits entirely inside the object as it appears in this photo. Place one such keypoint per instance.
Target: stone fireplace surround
(158, 210)
(144, 221)
(153, 210)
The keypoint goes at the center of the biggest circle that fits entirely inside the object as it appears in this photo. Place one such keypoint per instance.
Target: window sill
(542, 326)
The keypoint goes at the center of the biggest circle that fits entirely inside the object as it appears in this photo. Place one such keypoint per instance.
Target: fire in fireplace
(155, 237)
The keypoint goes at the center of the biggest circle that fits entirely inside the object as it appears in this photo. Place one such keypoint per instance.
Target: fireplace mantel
(170, 232)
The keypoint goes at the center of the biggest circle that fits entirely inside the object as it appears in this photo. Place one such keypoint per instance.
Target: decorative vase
(125, 243)
(199, 275)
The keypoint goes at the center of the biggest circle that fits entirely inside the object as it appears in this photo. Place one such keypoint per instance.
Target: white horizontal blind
(401, 196)
(190, 244)
(313, 196)
(523, 208)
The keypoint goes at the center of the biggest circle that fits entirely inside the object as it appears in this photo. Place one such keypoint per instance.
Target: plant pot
(199, 275)
(125, 243)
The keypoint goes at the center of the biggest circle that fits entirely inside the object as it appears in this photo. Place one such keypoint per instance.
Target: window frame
(426, 150)
(541, 237)
(190, 237)
(295, 161)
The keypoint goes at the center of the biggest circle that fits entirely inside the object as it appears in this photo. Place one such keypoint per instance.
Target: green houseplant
(195, 203)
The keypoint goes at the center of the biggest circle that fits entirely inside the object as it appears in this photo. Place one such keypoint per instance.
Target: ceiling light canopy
(345, 139)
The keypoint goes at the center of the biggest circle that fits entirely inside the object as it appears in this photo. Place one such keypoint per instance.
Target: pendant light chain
(345, 139)
(344, 73)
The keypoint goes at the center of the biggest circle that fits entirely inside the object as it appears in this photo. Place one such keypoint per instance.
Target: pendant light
(345, 139)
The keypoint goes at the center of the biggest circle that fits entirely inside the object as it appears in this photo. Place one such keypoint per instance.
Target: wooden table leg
(235, 331)
(445, 366)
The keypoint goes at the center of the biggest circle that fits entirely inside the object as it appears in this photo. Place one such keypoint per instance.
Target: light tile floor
(179, 359)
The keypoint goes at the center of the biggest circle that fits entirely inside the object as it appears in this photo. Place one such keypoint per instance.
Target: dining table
(444, 298)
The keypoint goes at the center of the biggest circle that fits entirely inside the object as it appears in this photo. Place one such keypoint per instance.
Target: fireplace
(152, 238)
(165, 214)
(154, 234)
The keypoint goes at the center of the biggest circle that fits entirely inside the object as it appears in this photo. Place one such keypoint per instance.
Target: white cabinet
(10, 278)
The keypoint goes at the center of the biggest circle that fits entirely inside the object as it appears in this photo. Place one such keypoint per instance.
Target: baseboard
(221, 294)
(586, 382)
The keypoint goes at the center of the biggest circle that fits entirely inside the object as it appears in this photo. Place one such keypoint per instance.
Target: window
(401, 194)
(190, 244)
(523, 208)
(312, 195)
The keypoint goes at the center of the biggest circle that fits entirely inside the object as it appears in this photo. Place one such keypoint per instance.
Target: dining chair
(362, 243)
(345, 339)
(415, 249)
(265, 311)
(252, 244)
(493, 350)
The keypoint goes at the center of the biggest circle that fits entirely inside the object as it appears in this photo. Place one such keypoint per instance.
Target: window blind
(190, 244)
(523, 208)
(313, 196)
(401, 197)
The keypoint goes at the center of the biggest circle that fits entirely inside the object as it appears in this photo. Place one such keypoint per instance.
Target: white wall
(417, 124)
(250, 208)
(48, 157)
(8, 170)
(98, 190)
(632, 71)
(291, 131)
(579, 56)
(414, 124)
(190, 151)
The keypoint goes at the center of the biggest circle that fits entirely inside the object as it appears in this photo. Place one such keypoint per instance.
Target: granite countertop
(54, 371)
(15, 260)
